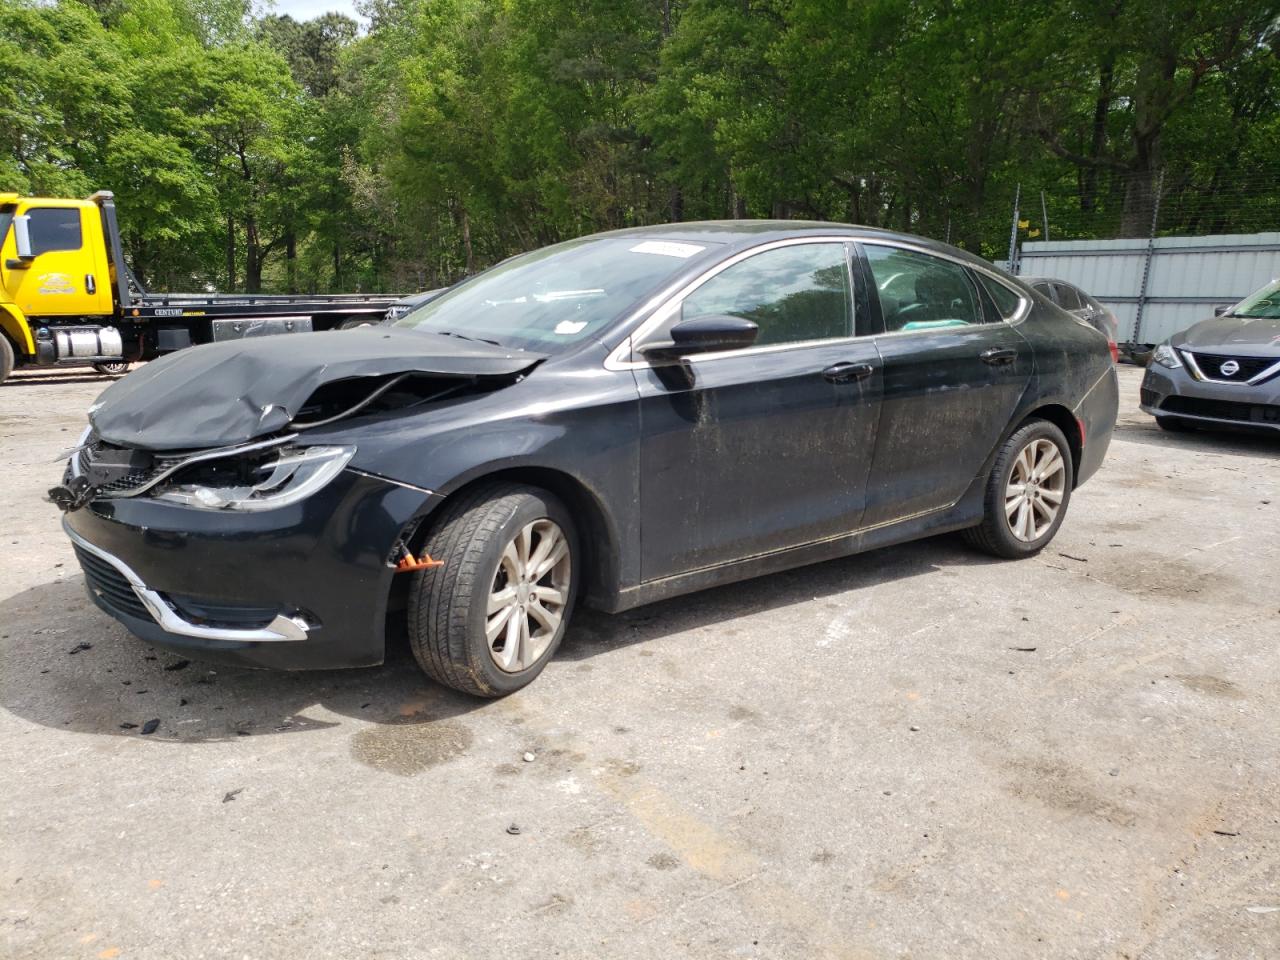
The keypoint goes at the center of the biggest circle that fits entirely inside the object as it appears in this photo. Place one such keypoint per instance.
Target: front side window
(793, 294)
(921, 292)
(53, 229)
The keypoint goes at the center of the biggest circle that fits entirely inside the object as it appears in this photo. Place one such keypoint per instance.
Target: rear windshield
(1263, 305)
(555, 297)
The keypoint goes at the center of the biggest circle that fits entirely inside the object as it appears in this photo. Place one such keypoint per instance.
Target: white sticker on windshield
(668, 248)
(567, 328)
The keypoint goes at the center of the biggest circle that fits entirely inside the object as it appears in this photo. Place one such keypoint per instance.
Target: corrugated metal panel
(1189, 276)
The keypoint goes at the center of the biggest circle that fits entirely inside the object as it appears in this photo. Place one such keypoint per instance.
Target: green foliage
(253, 151)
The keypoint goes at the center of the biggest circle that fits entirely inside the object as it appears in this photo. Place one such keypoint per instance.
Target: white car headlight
(291, 476)
(1166, 356)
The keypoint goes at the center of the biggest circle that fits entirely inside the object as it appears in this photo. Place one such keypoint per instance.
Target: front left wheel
(488, 620)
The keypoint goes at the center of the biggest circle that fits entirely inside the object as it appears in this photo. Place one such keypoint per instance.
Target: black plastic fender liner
(226, 393)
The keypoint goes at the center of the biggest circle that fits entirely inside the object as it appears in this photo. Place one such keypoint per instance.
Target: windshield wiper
(463, 336)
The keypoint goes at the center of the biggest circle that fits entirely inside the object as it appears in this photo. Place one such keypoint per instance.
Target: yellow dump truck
(68, 298)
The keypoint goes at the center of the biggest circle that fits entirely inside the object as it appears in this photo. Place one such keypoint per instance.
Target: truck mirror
(22, 236)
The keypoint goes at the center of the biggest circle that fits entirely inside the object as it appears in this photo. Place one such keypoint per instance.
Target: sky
(307, 9)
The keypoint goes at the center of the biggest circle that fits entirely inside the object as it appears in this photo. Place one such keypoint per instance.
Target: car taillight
(1115, 350)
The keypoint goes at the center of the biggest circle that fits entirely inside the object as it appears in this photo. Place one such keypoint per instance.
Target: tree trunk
(466, 242)
(252, 257)
(231, 255)
(1101, 107)
(291, 260)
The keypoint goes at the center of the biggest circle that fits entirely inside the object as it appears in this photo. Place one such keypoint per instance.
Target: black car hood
(1249, 336)
(224, 393)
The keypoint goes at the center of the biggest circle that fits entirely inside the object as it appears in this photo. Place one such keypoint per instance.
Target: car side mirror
(22, 237)
(708, 334)
(1220, 311)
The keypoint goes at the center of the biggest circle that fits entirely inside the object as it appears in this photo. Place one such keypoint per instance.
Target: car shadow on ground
(67, 665)
(1260, 443)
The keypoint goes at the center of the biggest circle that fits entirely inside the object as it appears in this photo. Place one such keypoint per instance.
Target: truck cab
(57, 289)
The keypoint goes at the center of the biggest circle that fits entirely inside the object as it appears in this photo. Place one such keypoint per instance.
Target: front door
(67, 276)
(749, 451)
(954, 373)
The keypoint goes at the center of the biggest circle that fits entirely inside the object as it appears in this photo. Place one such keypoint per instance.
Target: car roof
(750, 233)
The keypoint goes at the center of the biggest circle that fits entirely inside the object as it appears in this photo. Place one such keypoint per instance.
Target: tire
(6, 358)
(448, 605)
(116, 369)
(996, 534)
(1174, 424)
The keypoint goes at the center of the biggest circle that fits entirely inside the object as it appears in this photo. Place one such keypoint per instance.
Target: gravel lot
(918, 752)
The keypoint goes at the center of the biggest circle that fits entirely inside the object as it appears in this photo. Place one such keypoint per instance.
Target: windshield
(1263, 305)
(554, 297)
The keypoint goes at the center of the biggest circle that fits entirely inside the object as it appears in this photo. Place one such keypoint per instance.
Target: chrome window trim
(657, 310)
(280, 629)
(660, 308)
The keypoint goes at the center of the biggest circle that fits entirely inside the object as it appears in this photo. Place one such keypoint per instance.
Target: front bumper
(302, 587)
(1177, 393)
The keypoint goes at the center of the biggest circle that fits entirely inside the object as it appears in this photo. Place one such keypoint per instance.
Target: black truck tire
(477, 539)
(6, 358)
(116, 368)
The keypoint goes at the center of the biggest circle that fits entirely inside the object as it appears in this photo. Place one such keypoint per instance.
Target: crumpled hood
(1245, 336)
(224, 393)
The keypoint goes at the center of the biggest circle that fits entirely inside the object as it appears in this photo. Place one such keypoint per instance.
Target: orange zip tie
(409, 563)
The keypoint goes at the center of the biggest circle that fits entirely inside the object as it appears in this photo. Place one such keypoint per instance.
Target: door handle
(999, 356)
(90, 284)
(847, 372)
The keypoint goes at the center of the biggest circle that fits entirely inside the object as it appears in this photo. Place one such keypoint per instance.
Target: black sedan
(1222, 372)
(618, 419)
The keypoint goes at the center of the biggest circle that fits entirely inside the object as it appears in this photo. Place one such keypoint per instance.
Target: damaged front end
(263, 475)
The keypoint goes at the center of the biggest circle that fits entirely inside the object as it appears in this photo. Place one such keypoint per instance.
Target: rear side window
(793, 294)
(1006, 300)
(53, 229)
(921, 292)
(1069, 297)
(1045, 290)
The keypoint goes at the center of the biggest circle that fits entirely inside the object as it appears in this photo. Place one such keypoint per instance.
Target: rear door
(749, 451)
(954, 373)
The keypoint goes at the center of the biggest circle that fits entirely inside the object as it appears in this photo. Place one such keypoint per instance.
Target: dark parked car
(617, 419)
(1223, 371)
(1076, 302)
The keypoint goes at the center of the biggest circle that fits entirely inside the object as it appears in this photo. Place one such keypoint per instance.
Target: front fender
(14, 323)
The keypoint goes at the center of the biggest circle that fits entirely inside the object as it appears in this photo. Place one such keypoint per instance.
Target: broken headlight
(282, 479)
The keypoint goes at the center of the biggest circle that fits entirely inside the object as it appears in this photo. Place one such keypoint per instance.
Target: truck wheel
(1027, 493)
(115, 369)
(6, 358)
(491, 616)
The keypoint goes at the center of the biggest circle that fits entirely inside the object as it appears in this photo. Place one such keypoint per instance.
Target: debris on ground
(1072, 557)
(150, 727)
(78, 647)
(128, 726)
(180, 665)
(529, 757)
(514, 830)
(232, 794)
(1024, 649)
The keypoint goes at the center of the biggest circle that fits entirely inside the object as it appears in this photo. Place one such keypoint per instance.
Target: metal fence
(1157, 287)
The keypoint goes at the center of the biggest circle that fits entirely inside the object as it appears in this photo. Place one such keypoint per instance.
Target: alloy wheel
(1034, 493)
(529, 594)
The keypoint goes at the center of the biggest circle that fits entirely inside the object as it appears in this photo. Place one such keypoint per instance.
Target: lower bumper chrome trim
(281, 629)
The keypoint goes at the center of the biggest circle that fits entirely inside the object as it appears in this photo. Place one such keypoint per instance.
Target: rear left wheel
(1027, 493)
(488, 620)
